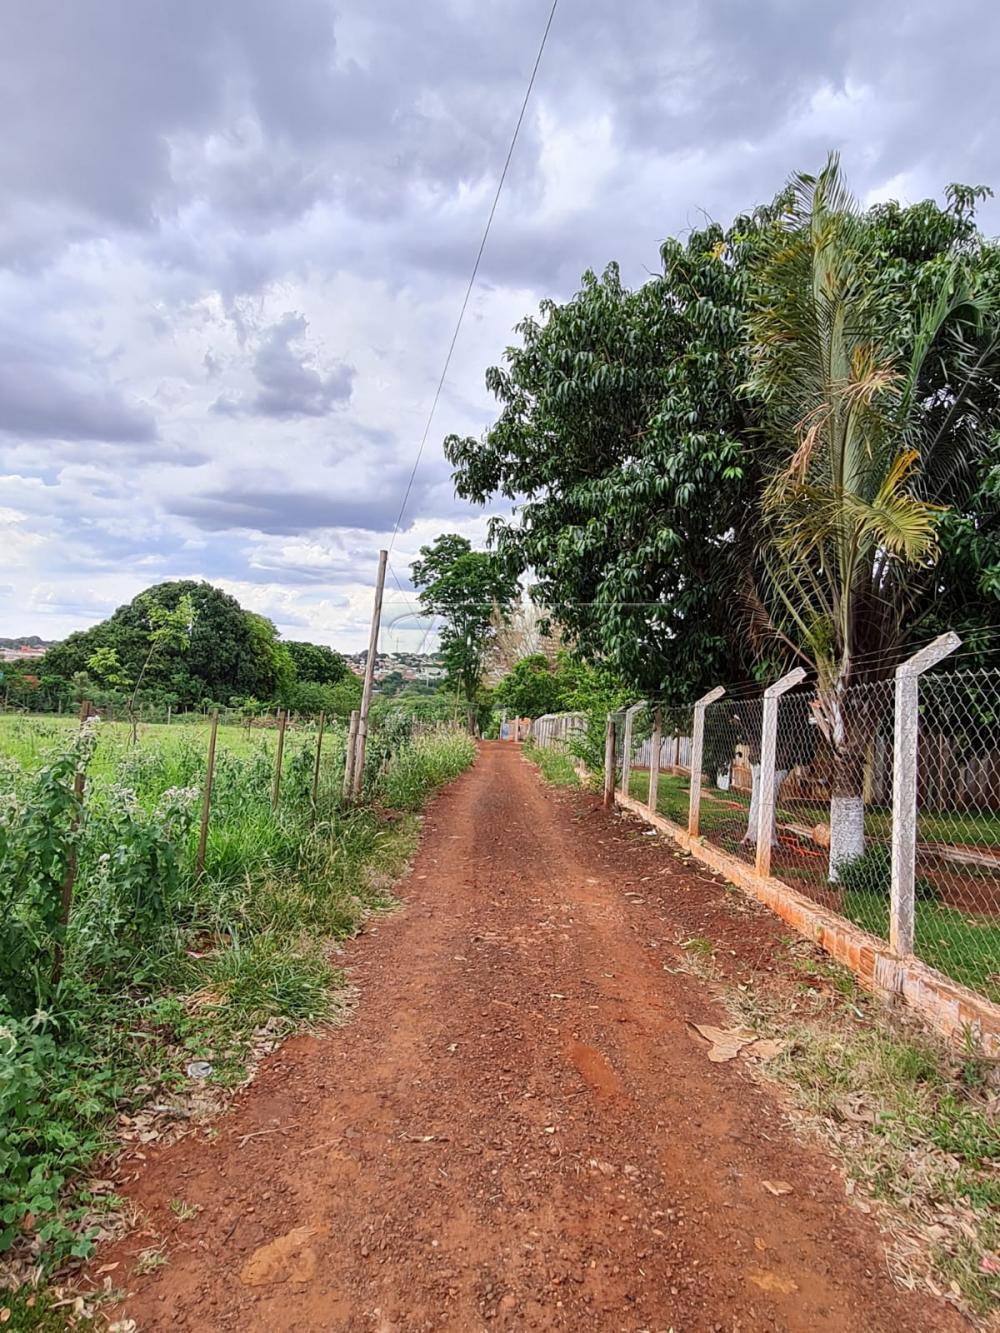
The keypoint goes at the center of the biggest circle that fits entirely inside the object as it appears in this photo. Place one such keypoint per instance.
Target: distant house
(19, 654)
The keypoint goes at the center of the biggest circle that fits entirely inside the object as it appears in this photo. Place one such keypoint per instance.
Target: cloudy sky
(234, 238)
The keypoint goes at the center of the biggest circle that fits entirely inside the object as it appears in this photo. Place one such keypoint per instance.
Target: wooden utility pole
(366, 693)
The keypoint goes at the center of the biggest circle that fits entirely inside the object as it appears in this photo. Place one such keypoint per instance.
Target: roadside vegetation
(912, 1120)
(155, 992)
(554, 764)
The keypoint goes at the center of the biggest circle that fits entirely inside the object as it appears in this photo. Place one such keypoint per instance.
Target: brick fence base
(953, 1010)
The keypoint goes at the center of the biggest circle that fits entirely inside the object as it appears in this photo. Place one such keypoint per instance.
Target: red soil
(518, 1129)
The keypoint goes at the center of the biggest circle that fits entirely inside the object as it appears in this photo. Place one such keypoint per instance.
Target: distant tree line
(186, 645)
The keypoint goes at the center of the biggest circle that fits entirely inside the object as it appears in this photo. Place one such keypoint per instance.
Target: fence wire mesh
(730, 764)
(833, 815)
(957, 907)
(833, 809)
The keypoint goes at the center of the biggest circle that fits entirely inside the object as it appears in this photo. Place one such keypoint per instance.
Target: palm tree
(865, 441)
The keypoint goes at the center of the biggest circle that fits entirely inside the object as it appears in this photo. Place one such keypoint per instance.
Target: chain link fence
(730, 770)
(914, 859)
(957, 879)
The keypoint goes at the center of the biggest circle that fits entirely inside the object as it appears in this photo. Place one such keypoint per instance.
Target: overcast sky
(234, 236)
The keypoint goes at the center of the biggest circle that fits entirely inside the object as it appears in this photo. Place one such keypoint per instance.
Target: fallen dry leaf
(766, 1049)
(724, 1043)
(777, 1186)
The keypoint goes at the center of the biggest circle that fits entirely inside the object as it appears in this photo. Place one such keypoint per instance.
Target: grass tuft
(556, 765)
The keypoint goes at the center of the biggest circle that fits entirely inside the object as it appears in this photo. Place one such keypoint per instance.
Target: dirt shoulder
(518, 1129)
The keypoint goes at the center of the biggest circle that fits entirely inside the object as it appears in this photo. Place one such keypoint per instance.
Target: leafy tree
(876, 400)
(316, 662)
(624, 440)
(169, 628)
(273, 655)
(313, 697)
(531, 689)
(228, 654)
(462, 586)
(18, 681)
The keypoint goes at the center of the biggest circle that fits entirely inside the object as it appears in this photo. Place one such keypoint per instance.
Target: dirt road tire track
(517, 1129)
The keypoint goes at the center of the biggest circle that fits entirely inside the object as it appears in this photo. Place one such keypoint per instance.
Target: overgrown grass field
(156, 966)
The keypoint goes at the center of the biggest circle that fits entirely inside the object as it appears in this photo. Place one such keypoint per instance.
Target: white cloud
(276, 208)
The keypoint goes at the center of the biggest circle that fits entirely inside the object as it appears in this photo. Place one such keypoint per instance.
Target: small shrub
(556, 764)
(424, 763)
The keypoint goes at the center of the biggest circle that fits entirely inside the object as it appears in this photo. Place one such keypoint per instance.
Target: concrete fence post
(697, 745)
(766, 794)
(609, 762)
(627, 747)
(654, 759)
(904, 789)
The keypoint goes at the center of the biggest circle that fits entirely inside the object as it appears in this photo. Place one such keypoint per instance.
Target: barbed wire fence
(895, 827)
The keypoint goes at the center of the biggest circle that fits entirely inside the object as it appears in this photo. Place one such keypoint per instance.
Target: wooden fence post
(69, 879)
(697, 745)
(206, 797)
(276, 785)
(609, 762)
(315, 785)
(352, 738)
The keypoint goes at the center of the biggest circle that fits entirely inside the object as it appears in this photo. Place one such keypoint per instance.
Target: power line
(475, 272)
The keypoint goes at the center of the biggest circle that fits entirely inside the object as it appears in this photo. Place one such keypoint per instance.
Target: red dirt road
(517, 1129)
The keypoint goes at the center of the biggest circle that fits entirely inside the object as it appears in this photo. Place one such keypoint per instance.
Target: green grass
(432, 759)
(979, 828)
(28, 739)
(962, 945)
(556, 765)
(673, 795)
(911, 1119)
(163, 967)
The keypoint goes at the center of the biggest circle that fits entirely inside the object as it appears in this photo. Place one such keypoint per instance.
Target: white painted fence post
(904, 789)
(609, 762)
(697, 745)
(654, 759)
(627, 750)
(766, 793)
